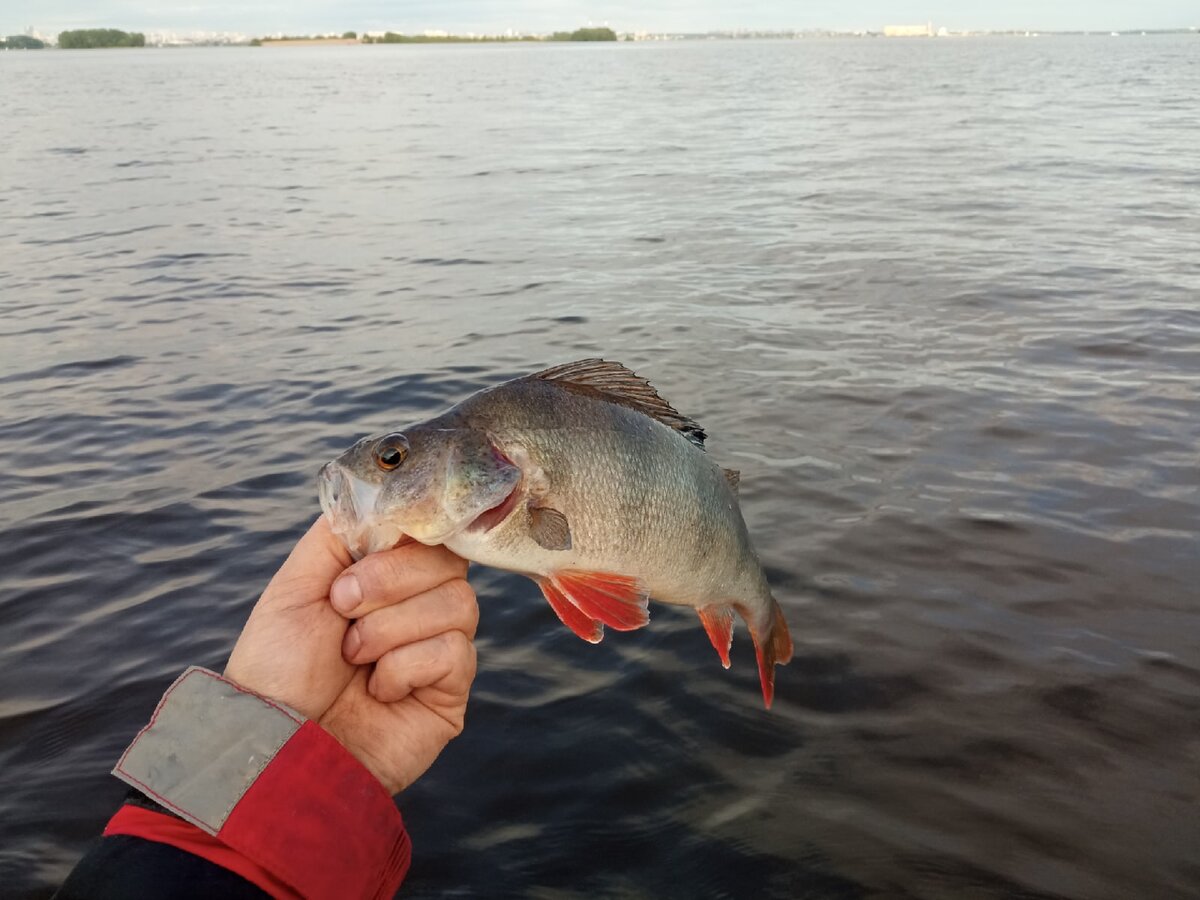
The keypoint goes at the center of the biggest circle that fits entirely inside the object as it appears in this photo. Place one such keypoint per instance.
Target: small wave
(74, 369)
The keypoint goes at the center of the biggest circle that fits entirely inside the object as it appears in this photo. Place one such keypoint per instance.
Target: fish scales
(582, 478)
(651, 506)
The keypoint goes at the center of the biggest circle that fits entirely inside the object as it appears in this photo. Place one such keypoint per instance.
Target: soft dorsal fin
(619, 385)
(734, 478)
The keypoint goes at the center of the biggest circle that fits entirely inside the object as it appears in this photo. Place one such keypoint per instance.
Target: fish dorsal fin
(734, 478)
(618, 384)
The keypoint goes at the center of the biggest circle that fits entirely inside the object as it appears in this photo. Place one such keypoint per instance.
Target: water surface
(938, 301)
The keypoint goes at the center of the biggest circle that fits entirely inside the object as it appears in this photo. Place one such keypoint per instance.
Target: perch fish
(582, 478)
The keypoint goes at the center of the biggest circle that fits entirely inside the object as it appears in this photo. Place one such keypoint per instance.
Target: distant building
(925, 30)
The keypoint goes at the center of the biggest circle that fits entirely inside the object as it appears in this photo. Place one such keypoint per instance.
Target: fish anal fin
(717, 620)
(772, 648)
(617, 384)
(570, 615)
(618, 601)
(549, 528)
(733, 478)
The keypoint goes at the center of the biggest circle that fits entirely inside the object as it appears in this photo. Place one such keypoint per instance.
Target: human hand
(391, 687)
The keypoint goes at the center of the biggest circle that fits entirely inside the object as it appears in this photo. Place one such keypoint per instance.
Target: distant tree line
(585, 34)
(391, 37)
(580, 34)
(91, 38)
(292, 38)
(297, 37)
(21, 42)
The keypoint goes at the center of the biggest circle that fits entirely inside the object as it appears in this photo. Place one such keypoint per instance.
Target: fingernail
(353, 644)
(346, 594)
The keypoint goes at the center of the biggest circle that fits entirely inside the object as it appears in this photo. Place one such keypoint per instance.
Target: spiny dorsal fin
(619, 385)
(734, 477)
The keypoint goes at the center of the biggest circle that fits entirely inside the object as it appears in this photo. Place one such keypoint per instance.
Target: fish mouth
(349, 504)
(336, 493)
(490, 518)
(348, 501)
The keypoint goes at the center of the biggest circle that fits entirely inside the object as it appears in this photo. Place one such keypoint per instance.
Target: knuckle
(390, 673)
(384, 689)
(385, 666)
(462, 598)
(460, 650)
(451, 642)
(472, 662)
(384, 567)
(394, 566)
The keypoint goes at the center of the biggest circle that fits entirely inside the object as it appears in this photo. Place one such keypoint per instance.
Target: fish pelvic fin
(569, 614)
(717, 620)
(617, 384)
(618, 601)
(773, 647)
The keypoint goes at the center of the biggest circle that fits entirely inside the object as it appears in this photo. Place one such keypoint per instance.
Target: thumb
(316, 560)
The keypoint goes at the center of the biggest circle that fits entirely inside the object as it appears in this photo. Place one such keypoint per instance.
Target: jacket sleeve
(243, 787)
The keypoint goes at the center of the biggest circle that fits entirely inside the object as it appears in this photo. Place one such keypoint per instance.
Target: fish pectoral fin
(618, 601)
(549, 528)
(570, 615)
(718, 622)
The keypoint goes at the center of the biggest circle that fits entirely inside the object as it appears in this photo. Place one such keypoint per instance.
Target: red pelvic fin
(718, 622)
(772, 649)
(584, 626)
(616, 600)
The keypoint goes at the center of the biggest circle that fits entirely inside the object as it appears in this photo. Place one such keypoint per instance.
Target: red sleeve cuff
(314, 823)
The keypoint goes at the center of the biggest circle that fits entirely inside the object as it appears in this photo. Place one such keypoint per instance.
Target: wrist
(272, 786)
(341, 727)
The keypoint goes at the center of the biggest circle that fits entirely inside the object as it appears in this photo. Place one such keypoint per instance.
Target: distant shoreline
(104, 38)
(428, 37)
(307, 42)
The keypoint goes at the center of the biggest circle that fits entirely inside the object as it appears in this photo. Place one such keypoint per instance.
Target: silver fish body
(582, 478)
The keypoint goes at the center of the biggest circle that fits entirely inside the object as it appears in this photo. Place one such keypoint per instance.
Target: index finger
(391, 576)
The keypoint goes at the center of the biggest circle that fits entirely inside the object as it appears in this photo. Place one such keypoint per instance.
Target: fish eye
(391, 452)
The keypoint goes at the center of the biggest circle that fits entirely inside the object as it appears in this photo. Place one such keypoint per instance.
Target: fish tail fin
(772, 646)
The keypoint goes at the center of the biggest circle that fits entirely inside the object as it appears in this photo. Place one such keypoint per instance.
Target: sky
(493, 16)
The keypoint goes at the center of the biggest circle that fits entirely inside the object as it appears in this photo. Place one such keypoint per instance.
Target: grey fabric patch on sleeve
(206, 743)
